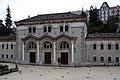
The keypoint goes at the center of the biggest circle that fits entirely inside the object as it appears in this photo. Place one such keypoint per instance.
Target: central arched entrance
(31, 46)
(47, 46)
(32, 57)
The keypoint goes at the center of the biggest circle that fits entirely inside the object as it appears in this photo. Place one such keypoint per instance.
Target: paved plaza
(29, 72)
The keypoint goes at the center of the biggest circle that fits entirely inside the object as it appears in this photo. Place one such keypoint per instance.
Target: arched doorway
(32, 50)
(47, 46)
(64, 55)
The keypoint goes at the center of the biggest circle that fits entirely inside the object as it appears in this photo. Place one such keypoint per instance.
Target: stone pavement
(29, 72)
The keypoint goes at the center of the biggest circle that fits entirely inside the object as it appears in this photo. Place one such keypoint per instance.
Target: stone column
(23, 51)
(72, 50)
(37, 56)
(54, 52)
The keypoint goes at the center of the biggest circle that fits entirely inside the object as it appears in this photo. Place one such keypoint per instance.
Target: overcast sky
(22, 8)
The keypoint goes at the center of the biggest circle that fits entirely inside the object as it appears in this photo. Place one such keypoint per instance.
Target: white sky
(22, 8)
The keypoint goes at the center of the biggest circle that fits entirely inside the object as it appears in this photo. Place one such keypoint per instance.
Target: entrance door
(47, 57)
(64, 58)
(32, 57)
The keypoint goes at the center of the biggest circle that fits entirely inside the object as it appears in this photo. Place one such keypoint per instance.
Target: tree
(8, 21)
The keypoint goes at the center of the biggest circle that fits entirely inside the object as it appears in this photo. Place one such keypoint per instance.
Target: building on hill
(59, 39)
(106, 11)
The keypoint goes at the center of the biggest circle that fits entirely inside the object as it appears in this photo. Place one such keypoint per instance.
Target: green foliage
(8, 21)
(95, 25)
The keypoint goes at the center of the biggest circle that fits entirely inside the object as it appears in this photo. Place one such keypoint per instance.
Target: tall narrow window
(94, 46)
(61, 28)
(102, 46)
(109, 46)
(2, 46)
(116, 46)
(11, 46)
(66, 28)
(2, 55)
(34, 30)
(7, 46)
(7, 56)
(30, 30)
(49, 29)
(45, 29)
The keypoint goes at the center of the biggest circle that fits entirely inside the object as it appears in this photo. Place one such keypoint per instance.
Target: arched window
(47, 45)
(2, 55)
(11, 46)
(11, 56)
(6, 55)
(34, 30)
(61, 28)
(94, 46)
(49, 29)
(64, 45)
(45, 29)
(102, 46)
(7, 46)
(117, 46)
(66, 28)
(2, 46)
(109, 46)
(30, 30)
(31, 45)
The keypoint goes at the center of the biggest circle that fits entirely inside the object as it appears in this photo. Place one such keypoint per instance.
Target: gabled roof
(106, 5)
(30, 36)
(46, 36)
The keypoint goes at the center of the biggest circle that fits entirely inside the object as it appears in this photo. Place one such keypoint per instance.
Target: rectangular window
(102, 59)
(11, 56)
(117, 59)
(109, 59)
(7, 46)
(7, 56)
(2, 55)
(94, 59)
(11, 46)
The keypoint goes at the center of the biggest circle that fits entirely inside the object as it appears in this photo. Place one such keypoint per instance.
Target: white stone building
(61, 39)
(105, 12)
